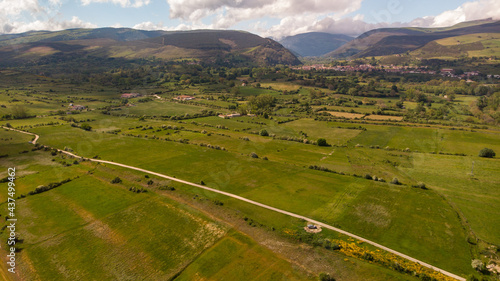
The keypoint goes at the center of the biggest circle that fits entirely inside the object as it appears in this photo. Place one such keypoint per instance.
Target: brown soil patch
(384, 117)
(44, 50)
(346, 114)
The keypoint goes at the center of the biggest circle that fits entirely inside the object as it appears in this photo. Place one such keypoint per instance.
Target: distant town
(446, 72)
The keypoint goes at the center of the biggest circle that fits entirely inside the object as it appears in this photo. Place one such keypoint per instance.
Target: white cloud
(356, 25)
(231, 12)
(123, 3)
(51, 24)
(295, 15)
(148, 26)
(16, 7)
(19, 16)
(292, 26)
(468, 11)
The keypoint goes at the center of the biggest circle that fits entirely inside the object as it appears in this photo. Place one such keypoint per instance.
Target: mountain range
(67, 50)
(226, 47)
(389, 41)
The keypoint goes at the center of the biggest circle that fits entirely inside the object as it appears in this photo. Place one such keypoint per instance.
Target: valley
(212, 155)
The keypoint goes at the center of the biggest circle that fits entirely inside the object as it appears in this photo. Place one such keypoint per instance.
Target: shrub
(395, 181)
(368, 176)
(325, 277)
(116, 180)
(487, 153)
(472, 277)
(420, 185)
(477, 264)
(254, 155)
(86, 127)
(263, 133)
(322, 142)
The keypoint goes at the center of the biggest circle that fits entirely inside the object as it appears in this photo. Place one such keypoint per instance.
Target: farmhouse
(76, 107)
(129, 95)
(447, 71)
(184, 98)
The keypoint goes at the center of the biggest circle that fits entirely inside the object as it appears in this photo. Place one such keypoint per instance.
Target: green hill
(125, 44)
(368, 39)
(389, 41)
(472, 45)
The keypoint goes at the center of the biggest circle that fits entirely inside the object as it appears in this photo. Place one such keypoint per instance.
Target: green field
(443, 209)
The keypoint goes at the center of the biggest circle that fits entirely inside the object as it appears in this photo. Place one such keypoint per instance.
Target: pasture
(271, 159)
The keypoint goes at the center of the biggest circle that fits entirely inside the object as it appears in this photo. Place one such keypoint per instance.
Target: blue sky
(275, 18)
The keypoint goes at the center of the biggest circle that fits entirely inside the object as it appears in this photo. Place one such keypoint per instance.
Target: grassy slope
(472, 45)
(285, 181)
(235, 256)
(105, 218)
(88, 229)
(321, 195)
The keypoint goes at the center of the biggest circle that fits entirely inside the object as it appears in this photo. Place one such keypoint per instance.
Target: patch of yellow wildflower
(352, 249)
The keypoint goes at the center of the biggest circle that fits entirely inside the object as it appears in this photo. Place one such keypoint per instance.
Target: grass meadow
(155, 235)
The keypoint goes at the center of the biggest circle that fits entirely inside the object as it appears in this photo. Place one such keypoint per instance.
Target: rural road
(263, 206)
(28, 133)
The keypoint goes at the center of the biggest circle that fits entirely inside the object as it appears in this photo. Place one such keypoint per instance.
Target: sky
(267, 18)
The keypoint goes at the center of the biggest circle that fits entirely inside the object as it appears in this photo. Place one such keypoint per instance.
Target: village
(446, 72)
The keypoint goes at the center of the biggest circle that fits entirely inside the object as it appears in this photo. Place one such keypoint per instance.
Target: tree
(487, 153)
(261, 104)
(116, 180)
(322, 142)
(395, 88)
(19, 112)
(86, 127)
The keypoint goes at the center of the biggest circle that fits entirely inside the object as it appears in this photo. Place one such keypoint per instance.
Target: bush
(395, 181)
(86, 127)
(325, 277)
(322, 142)
(487, 152)
(116, 180)
(420, 185)
(263, 133)
(472, 277)
(477, 264)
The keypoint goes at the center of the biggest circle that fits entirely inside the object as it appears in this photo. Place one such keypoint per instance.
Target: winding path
(261, 205)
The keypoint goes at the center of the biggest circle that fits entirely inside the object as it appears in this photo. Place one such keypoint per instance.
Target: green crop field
(414, 183)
